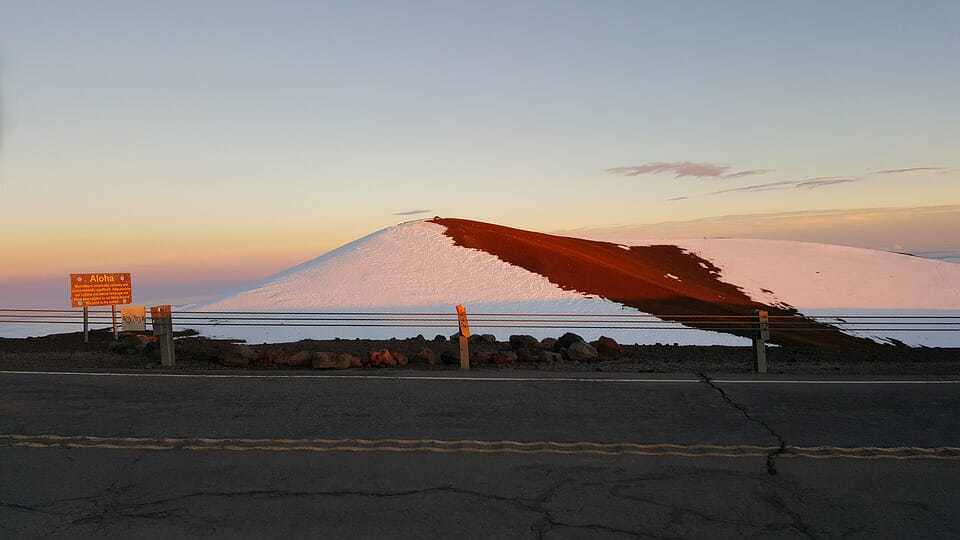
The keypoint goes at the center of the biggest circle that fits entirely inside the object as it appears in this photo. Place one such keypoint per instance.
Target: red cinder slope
(637, 277)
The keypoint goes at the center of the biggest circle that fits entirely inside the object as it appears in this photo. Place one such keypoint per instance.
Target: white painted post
(760, 342)
(163, 329)
(464, 337)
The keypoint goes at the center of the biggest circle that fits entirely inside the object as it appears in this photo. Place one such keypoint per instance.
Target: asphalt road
(438, 456)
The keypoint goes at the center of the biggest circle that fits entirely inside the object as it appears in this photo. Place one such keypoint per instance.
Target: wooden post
(113, 320)
(464, 337)
(163, 329)
(86, 325)
(760, 342)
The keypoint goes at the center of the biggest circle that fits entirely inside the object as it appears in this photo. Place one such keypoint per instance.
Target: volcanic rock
(328, 360)
(567, 340)
(518, 342)
(582, 352)
(504, 358)
(425, 356)
(382, 358)
(608, 347)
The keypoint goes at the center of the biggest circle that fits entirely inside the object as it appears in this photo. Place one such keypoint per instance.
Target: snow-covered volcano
(430, 266)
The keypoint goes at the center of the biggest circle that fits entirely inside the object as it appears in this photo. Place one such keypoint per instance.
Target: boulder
(382, 358)
(518, 342)
(548, 344)
(152, 351)
(224, 352)
(126, 344)
(481, 357)
(550, 357)
(608, 347)
(425, 356)
(355, 361)
(582, 352)
(504, 358)
(400, 358)
(231, 355)
(450, 358)
(527, 356)
(488, 339)
(270, 355)
(439, 338)
(300, 358)
(568, 339)
(328, 360)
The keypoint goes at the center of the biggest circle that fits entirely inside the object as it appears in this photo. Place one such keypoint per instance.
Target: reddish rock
(568, 339)
(519, 342)
(548, 343)
(327, 360)
(582, 352)
(550, 357)
(301, 358)
(383, 358)
(608, 347)
(354, 360)
(425, 356)
(269, 355)
(481, 357)
(527, 356)
(504, 358)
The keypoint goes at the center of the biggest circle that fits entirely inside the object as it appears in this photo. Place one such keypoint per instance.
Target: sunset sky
(203, 144)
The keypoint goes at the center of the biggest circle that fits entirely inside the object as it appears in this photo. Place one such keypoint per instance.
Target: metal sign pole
(113, 320)
(86, 325)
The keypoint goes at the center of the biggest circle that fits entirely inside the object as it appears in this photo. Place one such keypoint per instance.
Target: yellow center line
(470, 446)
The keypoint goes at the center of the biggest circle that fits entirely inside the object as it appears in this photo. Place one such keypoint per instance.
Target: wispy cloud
(411, 212)
(806, 183)
(749, 172)
(822, 181)
(911, 169)
(681, 169)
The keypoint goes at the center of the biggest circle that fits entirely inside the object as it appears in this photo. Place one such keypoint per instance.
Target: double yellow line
(355, 445)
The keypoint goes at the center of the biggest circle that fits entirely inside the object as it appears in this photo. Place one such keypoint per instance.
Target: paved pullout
(440, 456)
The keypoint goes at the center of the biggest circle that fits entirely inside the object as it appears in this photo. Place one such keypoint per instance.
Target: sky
(203, 144)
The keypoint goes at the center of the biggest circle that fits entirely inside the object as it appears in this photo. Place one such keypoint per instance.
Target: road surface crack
(782, 444)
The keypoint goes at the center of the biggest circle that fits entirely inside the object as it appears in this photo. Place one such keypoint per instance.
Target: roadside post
(101, 289)
(162, 319)
(464, 337)
(760, 342)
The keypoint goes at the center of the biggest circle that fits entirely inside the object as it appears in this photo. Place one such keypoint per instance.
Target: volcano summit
(432, 265)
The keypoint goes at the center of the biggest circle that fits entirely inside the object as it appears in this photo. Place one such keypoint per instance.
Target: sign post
(104, 289)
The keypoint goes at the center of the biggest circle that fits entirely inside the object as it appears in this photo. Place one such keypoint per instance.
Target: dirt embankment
(662, 280)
